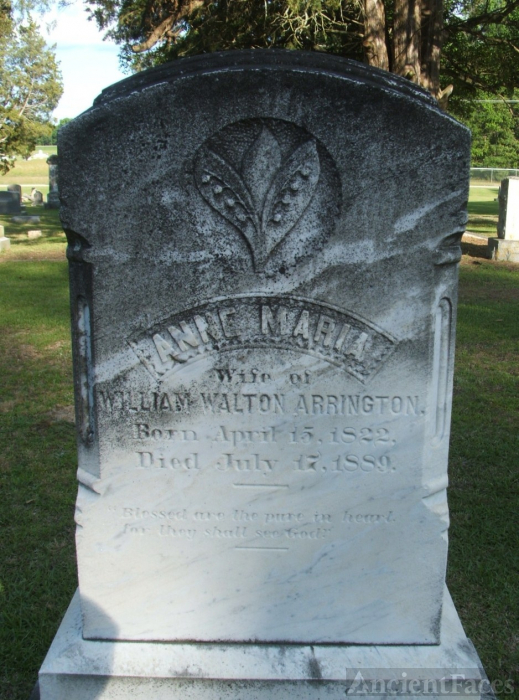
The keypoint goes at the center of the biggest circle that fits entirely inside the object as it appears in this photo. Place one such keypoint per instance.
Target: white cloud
(71, 27)
(88, 63)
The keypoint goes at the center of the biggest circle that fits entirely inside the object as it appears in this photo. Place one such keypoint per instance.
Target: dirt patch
(27, 352)
(62, 413)
(7, 406)
(473, 247)
(55, 346)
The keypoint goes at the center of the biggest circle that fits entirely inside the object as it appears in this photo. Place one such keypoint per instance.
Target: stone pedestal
(504, 250)
(103, 670)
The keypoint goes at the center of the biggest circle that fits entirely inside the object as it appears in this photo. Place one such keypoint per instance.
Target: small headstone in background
(5, 243)
(34, 234)
(36, 196)
(53, 196)
(9, 203)
(506, 245)
(25, 219)
(17, 189)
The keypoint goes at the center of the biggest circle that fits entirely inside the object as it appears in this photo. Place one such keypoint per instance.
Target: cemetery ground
(38, 453)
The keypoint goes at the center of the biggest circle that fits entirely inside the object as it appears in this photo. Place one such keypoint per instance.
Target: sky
(88, 64)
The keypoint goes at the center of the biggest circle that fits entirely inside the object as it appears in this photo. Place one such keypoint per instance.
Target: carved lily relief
(269, 195)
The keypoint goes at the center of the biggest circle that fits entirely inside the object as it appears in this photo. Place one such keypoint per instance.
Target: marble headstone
(506, 245)
(263, 347)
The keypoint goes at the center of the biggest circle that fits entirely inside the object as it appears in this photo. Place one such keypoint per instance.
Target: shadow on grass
(50, 225)
(483, 208)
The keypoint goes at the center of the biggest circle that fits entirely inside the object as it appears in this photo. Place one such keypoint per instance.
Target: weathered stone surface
(94, 670)
(264, 328)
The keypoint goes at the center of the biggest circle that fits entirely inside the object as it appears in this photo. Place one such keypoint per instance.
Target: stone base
(501, 249)
(102, 670)
(5, 243)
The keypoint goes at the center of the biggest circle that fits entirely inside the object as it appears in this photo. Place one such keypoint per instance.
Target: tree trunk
(432, 29)
(407, 39)
(375, 34)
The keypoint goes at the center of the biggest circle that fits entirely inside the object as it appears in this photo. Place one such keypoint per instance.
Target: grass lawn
(38, 460)
(483, 211)
(51, 246)
(30, 173)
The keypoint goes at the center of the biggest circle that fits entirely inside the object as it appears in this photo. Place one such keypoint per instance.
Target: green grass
(484, 491)
(37, 464)
(30, 173)
(38, 461)
(483, 211)
(51, 245)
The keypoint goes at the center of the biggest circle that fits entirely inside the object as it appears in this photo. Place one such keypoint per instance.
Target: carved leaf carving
(268, 197)
(259, 165)
(223, 188)
(290, 194)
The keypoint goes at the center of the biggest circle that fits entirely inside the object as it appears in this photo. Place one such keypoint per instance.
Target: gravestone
(5, 242)
(506, 245)
(53, 194)
(25, 219)
(9, 203)
(36, 197)
(263, 326)
(18, 190)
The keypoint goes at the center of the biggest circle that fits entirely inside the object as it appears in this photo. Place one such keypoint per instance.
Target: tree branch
(165, 28)
(493, 17)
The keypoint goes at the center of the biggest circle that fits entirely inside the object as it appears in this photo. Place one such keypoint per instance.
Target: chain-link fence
(491, 176)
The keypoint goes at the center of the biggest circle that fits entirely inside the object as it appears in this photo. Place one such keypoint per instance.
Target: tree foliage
(475, 42)
(52, 138)
(494, 122)
(30, 86)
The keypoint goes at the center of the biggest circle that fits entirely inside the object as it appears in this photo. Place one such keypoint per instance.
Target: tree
(494, 123)
(475, 42)
(30, 87)
(52, 138)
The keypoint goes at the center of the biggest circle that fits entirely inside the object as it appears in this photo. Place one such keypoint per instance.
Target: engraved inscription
(288, 323)
(260, 529)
